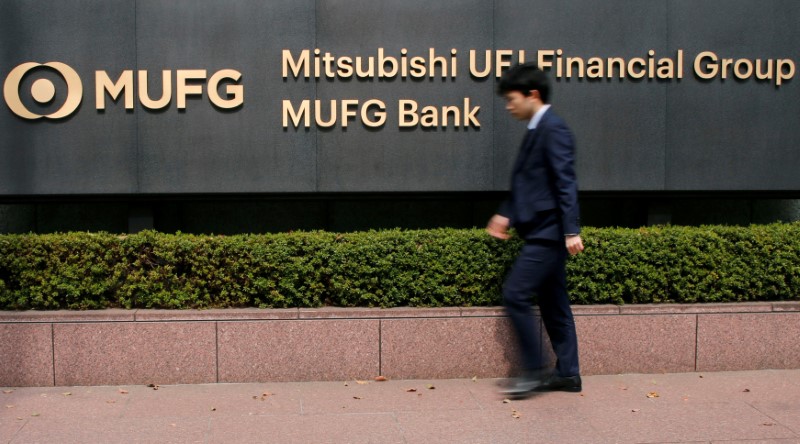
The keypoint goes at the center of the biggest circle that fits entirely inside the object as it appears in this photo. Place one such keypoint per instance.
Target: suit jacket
(543, 203)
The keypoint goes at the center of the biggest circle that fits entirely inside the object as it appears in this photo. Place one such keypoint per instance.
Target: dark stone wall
(633, 134)
(649, 150)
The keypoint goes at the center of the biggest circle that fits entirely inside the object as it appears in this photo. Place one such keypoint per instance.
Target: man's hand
(498, 227)
(574, 244)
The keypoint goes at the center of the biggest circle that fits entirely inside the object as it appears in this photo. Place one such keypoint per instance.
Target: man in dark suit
(543, 209)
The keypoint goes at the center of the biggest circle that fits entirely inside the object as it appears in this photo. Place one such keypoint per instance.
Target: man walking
(543, 208)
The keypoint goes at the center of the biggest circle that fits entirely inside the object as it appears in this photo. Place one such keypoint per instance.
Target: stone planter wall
(112, 347)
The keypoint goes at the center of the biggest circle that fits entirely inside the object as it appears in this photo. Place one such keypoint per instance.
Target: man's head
(525, 88)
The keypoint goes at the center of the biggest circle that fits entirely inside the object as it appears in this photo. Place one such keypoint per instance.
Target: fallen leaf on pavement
(515, 414)
(153, 386)
(34, 414)
(506, 401)
(635, 410)
(9, 406)
(110, 401)
(123, 392)
(746, 390)
(411, 390)
(430, 387)
(67, 393)
(474, 379)
(362, 382)
(768, 424)
(652, 395)
(356, 397)
(263, 396)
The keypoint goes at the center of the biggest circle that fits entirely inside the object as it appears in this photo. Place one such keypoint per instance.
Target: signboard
(205, 96)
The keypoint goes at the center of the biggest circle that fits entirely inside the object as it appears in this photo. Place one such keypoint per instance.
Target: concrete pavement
(731, 407)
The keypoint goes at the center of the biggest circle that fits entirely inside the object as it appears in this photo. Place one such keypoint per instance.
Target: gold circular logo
(43, 90)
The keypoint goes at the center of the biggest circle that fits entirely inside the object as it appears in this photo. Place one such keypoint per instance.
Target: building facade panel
(280, 97)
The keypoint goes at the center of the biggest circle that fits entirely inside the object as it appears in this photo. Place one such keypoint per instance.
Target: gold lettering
(632, 68)
(451, 110)
(544, 59)
(760, 74)
(346, 112)
(502, 60)
(706, 70)
(382, 61)
(620, 64)
(302, 113)
(783, 74)
(596, 68)
(575, 61)
(417, 67)
(430, 117)
(487, 66)
(166, 90)
(318, 114)
(123, 85)
(748, 69)
(183, 89)
(235, 92)
(433, 61)
(665, 68)
(296, 66)
(380, 113)
(408, 108)
(470, 114)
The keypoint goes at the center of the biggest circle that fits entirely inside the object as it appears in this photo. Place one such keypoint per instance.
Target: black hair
(525, 77)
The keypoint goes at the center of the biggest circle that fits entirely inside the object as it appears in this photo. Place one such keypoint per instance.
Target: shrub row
(442, 267)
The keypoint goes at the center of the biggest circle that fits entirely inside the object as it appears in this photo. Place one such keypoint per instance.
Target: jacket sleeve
(560, 157)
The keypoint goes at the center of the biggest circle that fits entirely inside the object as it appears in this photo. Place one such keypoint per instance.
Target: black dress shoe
(521, 387)
(560, 383)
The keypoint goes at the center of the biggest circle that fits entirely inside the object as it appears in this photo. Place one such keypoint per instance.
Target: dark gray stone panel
(445, 158)
(618, 124)
(234, 217)
(360, 215)
(204, 149)
(730, 134)
(776, 210)
(82, 216)
(17, 218)
(711, 212)
(88, 152)
(643, 135)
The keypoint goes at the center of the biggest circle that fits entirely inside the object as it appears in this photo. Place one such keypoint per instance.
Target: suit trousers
(540, 269)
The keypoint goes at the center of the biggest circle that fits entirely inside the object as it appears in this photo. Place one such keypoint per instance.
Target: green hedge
(442, 267)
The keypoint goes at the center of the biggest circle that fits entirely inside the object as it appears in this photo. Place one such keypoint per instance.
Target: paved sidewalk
(753, 406)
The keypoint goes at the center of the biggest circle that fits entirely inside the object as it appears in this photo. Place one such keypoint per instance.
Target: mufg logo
(43, 90)
(40, 93)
